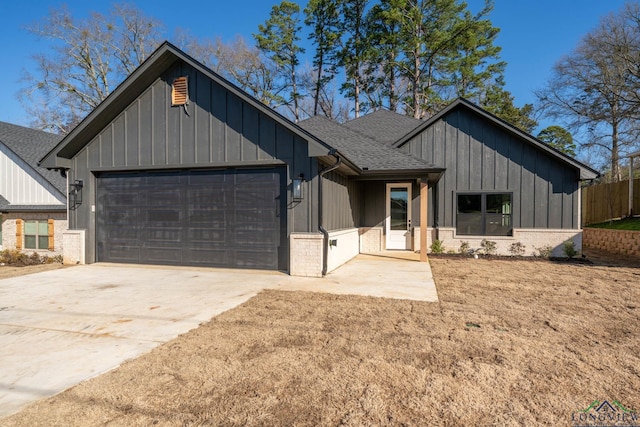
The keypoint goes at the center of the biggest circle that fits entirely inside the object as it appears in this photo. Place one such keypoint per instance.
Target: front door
(398, 223)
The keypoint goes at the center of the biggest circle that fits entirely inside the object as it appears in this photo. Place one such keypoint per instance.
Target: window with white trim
(36, 234)
(484, 214)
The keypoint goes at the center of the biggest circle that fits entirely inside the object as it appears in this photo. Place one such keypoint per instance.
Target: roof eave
(433, 174)
(34, 208)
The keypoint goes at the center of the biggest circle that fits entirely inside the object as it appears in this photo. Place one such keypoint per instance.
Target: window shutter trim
(19, 234)
(50, 233)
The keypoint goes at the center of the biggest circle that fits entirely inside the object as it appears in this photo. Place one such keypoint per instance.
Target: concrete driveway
(60, 327)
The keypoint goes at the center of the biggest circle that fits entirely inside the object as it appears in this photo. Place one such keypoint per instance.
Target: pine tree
(323, 18)
(278, 38)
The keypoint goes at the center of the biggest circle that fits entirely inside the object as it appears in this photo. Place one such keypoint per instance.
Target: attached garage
(233, 218)
(203, 179)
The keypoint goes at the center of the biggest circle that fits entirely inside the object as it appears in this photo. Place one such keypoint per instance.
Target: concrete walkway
(60, 327)
(391, 274)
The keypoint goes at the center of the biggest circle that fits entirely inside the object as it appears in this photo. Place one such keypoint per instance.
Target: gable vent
(180, 91)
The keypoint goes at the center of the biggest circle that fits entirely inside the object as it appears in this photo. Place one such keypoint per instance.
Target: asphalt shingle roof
(31, 145)
(3, 203)
(365, 152)
(384, 126)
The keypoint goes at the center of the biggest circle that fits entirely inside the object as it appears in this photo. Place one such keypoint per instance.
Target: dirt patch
(7, 271)
(509, 343)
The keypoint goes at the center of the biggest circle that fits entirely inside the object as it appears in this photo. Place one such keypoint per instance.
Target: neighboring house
(33, 211)
(179, 166)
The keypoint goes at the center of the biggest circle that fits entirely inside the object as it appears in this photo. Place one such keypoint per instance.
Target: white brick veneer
(532, 239)
(73, 247)
(305, 254)
(8, 225)
(371, 239)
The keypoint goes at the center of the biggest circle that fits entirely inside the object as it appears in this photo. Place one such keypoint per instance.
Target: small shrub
(543, 252)
(517, 249)
(569, 249)
(464, 247)
(437, 247)
(54, 259)
(21, 259)
(489, 247)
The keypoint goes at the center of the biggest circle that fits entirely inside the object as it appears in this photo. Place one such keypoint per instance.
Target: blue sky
(534, 34)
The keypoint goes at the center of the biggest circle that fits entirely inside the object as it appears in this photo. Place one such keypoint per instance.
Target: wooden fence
(602, 202)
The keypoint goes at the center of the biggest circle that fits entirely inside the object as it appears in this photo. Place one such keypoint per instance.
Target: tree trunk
(393, 102)
(356, 95)
(316, 96)
(415, 91)
(615, 154)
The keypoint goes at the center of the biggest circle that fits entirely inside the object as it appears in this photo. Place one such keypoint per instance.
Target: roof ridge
(395, 125)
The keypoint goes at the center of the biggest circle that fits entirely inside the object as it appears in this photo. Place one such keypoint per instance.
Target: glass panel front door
(399, 199)
(398, 223)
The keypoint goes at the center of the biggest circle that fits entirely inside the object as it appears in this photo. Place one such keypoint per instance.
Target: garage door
(214, 218)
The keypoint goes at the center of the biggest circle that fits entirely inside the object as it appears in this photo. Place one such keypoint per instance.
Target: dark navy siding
(480, 156)
(217, 129)
(341, 202)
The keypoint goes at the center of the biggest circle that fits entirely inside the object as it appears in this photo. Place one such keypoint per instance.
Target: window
(36, 234)
(484, 214)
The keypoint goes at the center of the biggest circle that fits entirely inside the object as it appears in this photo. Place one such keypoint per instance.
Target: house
(179, 166)
(499, 183)
(33, 211)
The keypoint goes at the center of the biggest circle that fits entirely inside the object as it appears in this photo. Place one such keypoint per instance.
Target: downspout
(325, 233)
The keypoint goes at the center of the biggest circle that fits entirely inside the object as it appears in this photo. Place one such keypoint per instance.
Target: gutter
(325, 233)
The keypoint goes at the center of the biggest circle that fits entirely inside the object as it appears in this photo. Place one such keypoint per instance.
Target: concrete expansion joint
(66, 331)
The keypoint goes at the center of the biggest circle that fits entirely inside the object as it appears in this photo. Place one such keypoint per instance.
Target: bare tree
(238, 62)
(89, 58)
(592, 89)
(326, 101)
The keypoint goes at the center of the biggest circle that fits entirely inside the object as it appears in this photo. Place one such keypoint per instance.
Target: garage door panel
(208, 177)
(248, 259)
(206, 236)
(209, 257)
(158, 235)
(156, 255)
(122, 253)
(208, 217)
(221, 218)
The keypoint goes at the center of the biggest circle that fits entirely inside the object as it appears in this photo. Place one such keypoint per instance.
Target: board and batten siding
(20, 185)
(340, 202)
(216, 129)
(481, 157)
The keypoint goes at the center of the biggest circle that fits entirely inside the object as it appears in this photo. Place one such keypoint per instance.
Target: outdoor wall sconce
(75, 194)
(297, 189)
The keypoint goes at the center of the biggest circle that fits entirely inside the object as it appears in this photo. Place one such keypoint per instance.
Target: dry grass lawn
(7, 271)
(510, 343)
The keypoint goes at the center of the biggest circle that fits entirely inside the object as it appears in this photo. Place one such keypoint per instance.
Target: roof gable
(30, 145)
(586, 172)
(134, 85)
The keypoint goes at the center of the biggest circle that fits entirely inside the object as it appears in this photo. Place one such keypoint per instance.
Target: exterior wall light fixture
(298, 188)
(75, 194)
